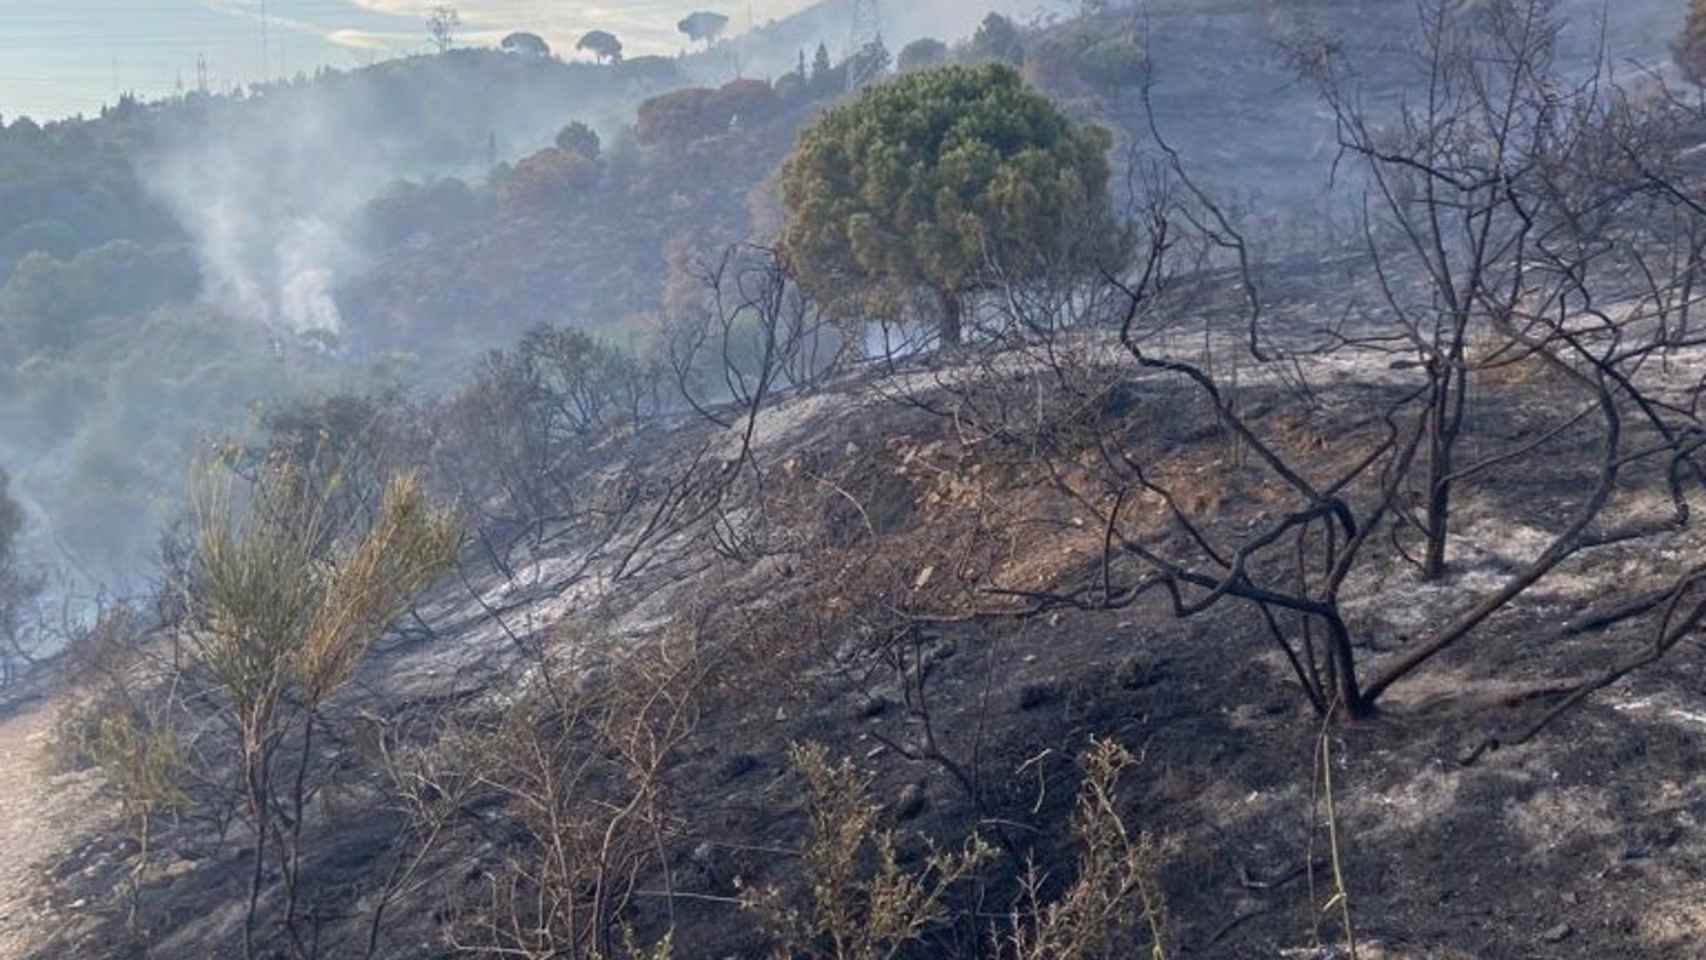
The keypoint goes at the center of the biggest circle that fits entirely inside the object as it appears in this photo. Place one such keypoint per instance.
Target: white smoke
(271, 206)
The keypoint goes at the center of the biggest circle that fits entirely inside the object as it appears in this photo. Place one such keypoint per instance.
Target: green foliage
(869, 62)
(579, 138)
(581, 377)
(922, 54)
(18, 589)
(1115, 62)
(514, 433)
(50, 304)
(71, 186)
(106, 382)
(911, 189)
(791, 86)
(344, 447)
(55, 238)
(11, 522)
(280, 613)
(1098, 57)
(142, 759)
(438, 208)
(703, 25)
(999, 40)
(652, 72)
(522, 42)
(601, 44)
(107, 425)
(286, 601)
(827, 79)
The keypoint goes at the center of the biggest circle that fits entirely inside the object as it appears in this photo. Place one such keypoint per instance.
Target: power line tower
(865, 30)
(266, 45)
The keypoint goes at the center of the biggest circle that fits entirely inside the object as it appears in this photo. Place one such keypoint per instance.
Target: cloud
(371, 39)
(251, 10)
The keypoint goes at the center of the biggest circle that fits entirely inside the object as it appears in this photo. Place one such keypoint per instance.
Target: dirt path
(23, 840)
(38, 813)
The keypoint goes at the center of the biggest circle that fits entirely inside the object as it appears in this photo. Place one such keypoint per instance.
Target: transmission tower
(266, 46)
(865, 30)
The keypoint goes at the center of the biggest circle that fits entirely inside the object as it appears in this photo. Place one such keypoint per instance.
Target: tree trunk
(952, 309)
(1352, 703)
(1439, 516)
(1450, 398)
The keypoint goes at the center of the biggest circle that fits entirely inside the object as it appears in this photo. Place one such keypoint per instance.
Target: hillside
(371, 212)
(1178, 480)
(885, 535)
(366, 212)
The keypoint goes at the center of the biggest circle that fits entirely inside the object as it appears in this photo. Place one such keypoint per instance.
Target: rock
(706, 870)
(177, 868)
(910, 803)
(1137, 671)
(923, 578)
(874, 707)
(1557, 934)
(1572, 898)
(739, 765)
(875, 752)
(704, 855)
(1034, 695)
(781, 714)
(1660, 836)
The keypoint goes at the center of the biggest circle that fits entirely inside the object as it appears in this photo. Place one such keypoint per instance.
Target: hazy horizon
(78, 55)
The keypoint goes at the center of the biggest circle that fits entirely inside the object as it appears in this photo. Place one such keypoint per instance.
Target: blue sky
(61, 57)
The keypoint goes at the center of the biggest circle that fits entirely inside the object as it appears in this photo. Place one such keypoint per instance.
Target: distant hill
(409, 215)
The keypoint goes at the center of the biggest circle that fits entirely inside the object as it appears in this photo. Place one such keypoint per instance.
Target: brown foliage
(697, 112)
(1689, 47)
(550, 179)
(580, 759)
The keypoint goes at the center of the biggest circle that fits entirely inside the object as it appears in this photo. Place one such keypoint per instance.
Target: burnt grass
(1583, 843)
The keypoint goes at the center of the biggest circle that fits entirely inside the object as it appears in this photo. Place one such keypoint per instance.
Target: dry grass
(1118, 888)
(579, 760)
(862, 904)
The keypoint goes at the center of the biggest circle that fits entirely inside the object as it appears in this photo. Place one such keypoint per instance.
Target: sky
(64, 57)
